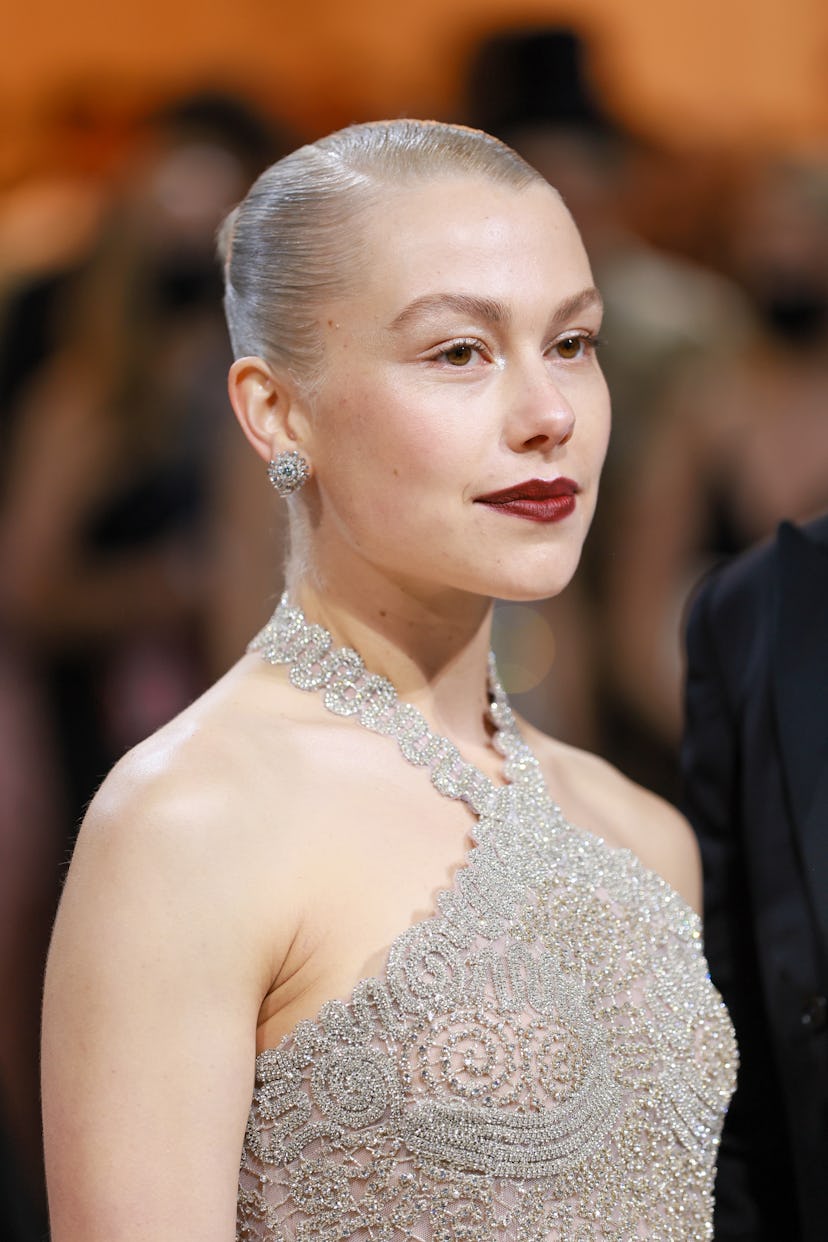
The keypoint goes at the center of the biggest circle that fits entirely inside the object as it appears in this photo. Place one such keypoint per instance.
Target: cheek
(379, 461)
(605, 428)
(396, 435)
(598, 419)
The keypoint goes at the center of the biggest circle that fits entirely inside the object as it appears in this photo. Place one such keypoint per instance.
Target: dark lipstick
(539, 500)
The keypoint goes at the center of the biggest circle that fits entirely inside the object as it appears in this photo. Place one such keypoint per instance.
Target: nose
(540, 416)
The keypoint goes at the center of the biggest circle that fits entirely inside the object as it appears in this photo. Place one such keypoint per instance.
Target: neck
(432, 647)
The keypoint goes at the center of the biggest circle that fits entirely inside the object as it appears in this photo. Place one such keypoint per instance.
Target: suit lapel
(800, 680)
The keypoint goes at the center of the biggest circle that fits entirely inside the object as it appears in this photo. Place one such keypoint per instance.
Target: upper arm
(152, 992)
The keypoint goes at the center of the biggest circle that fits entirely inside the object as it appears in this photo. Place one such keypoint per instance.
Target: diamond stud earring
(288, 472)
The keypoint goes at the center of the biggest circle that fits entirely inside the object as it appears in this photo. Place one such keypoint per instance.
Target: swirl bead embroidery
(543, 1058)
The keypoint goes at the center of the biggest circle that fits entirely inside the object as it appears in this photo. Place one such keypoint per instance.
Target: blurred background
(140, 544)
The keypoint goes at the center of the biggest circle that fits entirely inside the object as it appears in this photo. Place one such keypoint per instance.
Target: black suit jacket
(755, 779)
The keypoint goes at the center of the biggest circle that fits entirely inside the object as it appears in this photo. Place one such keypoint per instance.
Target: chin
(529, 588)
(538, 568)
(531, 595)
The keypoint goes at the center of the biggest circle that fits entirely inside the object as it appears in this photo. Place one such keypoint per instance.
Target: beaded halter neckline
(314, 663)
(349, 689)
(539, 1057)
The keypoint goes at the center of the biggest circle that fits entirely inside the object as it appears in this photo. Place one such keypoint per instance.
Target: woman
(533, 1053)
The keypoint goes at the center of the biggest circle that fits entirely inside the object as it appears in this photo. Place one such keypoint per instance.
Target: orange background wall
(700, 72)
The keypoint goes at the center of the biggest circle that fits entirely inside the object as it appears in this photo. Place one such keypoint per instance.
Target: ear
(269, 407)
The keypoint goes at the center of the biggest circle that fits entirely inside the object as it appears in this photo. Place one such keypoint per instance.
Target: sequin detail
(543, 1060)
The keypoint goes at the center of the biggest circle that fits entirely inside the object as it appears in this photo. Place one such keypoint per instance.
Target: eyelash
(589, 342)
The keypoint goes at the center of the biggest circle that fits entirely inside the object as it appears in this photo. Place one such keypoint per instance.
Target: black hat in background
(528, 77)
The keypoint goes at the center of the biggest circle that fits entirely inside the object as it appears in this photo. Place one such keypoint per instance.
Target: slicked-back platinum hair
(294, 240)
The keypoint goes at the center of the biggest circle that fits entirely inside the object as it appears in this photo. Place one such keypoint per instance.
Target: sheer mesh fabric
(545, 1058)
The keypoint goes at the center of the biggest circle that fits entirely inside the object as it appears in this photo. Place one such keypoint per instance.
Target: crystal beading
(350, 690)
(542, 1060)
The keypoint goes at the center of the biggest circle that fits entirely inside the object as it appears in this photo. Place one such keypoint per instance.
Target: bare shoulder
(210, 767)
(180, 785)
(595, 796)
(194, 809)
(174, 920)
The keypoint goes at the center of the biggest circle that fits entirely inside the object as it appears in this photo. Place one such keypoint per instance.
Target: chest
(368, 867)
(550, 1037)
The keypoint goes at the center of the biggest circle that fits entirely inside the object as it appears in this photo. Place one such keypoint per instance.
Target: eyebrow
(488, 309)
(465, 303)
(585, 300)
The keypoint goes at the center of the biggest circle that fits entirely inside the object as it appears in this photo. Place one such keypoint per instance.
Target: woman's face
(462, 419)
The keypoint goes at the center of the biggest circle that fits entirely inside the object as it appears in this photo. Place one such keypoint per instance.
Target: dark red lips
(539, 500)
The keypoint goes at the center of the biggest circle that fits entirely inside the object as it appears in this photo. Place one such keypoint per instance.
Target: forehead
(471, 234)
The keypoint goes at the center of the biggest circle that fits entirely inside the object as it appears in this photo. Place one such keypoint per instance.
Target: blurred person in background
(535, 88)
(49, 222)
(755, 769)
(742, 440)
(106, 516)
(115, 482)
(32, 849)
(50, 219)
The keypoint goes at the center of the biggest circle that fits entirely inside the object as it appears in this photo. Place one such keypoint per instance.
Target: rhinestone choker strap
(348, 689)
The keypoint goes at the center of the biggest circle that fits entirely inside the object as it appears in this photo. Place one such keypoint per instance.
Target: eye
(574, 346)
(460, 354)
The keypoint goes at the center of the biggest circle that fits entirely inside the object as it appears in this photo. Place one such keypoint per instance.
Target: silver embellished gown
(543, 1060)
